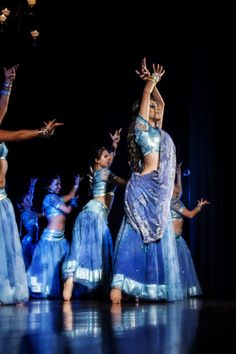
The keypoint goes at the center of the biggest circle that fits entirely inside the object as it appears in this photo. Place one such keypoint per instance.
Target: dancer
(189, 279)
(13, 281)
(145, 261)
(29, 223)
(90, 262)
(44, 274)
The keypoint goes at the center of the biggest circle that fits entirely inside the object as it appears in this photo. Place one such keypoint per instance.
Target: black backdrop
(82, 73)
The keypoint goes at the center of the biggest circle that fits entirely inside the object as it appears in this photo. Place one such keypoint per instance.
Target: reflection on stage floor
(47, 326)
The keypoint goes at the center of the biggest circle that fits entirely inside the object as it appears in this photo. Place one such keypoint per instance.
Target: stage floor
(55, 327)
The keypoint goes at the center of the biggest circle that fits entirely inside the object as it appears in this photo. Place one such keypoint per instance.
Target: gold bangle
(45, 132)
(156, 77)
(151, 79)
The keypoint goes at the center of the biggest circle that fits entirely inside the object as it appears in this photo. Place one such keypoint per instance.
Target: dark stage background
(82, 73)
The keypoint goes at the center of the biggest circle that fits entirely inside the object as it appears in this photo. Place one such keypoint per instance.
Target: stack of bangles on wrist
(6, 90)
(45, 132)
(155, 78)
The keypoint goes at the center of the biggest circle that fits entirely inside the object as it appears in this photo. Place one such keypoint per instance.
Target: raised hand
(33, 181)
(201, 203)
(10, 74)
(144, 73)
(115, 137)
(178, 168)
(49, 128)
(158, 71)
(78, 179)
(51, 125)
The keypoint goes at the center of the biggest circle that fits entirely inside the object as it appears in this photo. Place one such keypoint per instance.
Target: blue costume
(13, 282)
(44, 273)
(29, 220)
(91, 255)
(145, 262)
(189, 279)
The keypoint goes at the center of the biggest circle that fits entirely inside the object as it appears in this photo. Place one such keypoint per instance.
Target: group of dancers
(150, 259)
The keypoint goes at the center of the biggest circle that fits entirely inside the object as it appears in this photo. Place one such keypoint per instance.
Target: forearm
(158, 98)
(191, 213)
(4, 97)
(119, 181)
(24, 134)
(71, 195)
(4, 100)
(145, 102)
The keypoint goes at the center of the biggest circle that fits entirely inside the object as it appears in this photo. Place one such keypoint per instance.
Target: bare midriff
(151, 163)
(57, 222)
(3, 171)
(178, 226)
(106, 200)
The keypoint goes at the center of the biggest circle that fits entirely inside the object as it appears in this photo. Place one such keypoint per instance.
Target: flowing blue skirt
(91, 255)
(13, 282)
(45, 272)
(189, 279)
(147, 271)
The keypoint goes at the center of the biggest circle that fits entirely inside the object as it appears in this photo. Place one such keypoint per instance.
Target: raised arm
(151, 89)
(115, 142)
(73, 191)
(9, 77)
(32, 188)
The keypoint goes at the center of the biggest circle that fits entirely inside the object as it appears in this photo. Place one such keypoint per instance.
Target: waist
(52, 235)
(3, 193)
(97, 207)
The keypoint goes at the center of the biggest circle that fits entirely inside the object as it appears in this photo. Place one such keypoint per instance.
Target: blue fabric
(102, 182)
(189, 279)
(13, 282)
(146, 136)
(91, 255)
(3, 151)
(44, 274)
(146, 262)
(147, 271)
(29, 220)
(176, 208)
(147, 197)
(51, 204)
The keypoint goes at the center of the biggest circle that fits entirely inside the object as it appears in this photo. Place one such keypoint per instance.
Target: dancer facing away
(29, 223)
(189, 279)
(44, 274)
(90, 262)
(14, 288)
(145, 260)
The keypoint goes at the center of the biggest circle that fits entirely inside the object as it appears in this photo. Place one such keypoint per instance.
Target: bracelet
(5, 84)
(5, 92)
(151, 79)
(156, 77)
(45, 132)
(76, 186)
(199, 207)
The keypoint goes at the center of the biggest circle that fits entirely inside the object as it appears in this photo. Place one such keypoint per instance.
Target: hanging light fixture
(20, 18)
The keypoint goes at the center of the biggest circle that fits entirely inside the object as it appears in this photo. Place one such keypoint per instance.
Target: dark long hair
(135, 156)
(97, 153)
